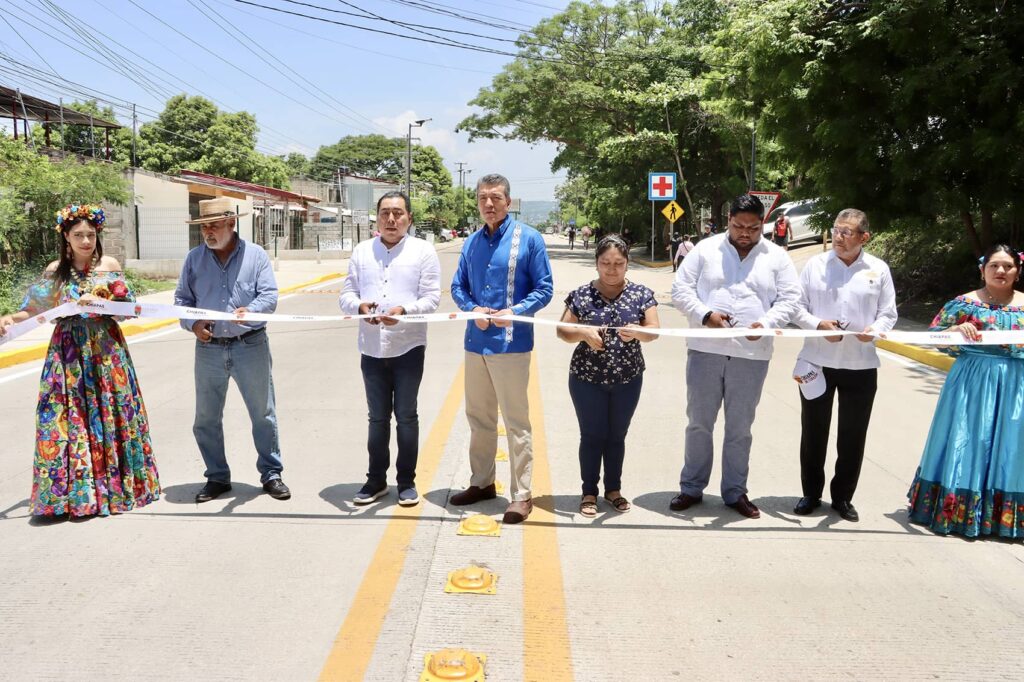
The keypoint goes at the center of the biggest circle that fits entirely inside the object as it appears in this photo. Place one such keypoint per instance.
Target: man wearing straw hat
(228, 274)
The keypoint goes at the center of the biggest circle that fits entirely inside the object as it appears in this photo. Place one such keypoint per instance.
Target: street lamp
(408, 154)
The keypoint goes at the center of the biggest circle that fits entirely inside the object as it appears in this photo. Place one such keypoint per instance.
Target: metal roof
(43, 111)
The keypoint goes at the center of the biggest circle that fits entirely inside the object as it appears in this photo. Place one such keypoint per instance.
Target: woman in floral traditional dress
(93, 452)
(971, 478)
(606, 371)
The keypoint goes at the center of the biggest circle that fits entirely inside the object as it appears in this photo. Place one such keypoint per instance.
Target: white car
(799, 214)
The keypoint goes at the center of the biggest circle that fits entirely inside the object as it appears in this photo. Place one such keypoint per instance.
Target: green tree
(629, 79)
(191, 133)
(298, 164)
(33, 188)
(910, 129)
(375, 156)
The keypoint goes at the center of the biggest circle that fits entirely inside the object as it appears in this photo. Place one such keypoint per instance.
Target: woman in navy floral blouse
(606, 371)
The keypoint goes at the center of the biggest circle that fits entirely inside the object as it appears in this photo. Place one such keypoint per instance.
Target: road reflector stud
(499, 487)
(453, 664)
(502, 456)
(479, 524)
(472, 579)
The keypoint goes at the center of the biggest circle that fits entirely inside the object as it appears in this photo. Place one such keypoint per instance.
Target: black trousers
(856, 388)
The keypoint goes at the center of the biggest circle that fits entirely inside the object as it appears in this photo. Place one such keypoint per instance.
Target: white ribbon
(159, 310)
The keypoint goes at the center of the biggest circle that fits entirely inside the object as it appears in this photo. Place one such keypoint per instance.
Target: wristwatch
(707, 317)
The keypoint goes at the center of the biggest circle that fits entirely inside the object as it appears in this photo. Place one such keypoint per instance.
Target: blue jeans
(604, 413)
(393, 384)
(248, 362)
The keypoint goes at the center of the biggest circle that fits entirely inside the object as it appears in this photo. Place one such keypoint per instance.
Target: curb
(931, 358)
(38, 351)
(650, 263)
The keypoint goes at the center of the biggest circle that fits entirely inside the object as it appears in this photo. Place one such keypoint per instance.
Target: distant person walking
(606, 370)
(587, 234)
(672, 247)
(782, 232)
(572, 237)
(685, 247)
(393, 274)
(503, 270)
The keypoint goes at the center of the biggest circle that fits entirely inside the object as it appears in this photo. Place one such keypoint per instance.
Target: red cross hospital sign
(661, 186)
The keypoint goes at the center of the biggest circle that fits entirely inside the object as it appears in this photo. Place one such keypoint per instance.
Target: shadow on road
(239, 494)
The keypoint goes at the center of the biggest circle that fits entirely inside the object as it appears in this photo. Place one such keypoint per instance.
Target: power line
(316, 92)
(235, 66)
(282, 137)
(349, 45)
(17, 33)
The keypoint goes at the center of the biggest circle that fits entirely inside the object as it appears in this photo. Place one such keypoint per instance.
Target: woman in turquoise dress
(971, 478)
(93, 452)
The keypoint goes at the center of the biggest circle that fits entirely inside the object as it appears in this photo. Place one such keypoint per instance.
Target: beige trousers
(494, 381)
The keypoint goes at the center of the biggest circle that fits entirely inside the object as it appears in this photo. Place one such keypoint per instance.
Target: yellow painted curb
(38, 351)
(931, 358)
(651, 263)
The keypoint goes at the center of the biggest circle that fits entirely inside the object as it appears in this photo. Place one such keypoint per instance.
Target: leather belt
(228, 340)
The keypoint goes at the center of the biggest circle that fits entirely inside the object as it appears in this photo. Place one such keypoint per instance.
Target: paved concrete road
(247, 587)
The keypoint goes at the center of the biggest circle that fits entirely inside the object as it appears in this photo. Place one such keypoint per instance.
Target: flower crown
(91, 212)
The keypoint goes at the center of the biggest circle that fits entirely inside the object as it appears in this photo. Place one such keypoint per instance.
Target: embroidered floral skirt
(93, 451)
(971, 478)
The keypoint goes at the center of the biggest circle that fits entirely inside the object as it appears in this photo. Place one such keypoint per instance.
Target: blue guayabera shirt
(245, 280)
(508, 269)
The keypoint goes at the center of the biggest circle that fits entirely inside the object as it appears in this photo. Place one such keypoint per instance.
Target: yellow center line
(353, 647)
(546, 646)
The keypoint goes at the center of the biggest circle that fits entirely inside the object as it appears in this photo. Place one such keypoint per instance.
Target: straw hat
(211, 210)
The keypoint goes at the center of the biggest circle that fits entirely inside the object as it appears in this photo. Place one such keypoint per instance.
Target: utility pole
(462, 193)
(753, 156)
(135, 132)
(408, 154)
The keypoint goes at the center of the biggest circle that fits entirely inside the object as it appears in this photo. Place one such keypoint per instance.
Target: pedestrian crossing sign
(673, 212)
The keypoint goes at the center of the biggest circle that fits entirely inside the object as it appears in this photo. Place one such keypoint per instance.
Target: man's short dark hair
(396, 195)
(495, 179)
(747, 203)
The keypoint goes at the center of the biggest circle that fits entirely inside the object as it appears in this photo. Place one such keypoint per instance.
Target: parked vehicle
(799, 214)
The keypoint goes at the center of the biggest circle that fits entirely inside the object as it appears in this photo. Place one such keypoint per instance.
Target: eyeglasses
(844, 233)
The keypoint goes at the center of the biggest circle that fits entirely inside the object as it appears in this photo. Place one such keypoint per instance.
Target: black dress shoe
(745, 507)
(212, 490)
(276, 488)
(806, 505)
(682, 501)
(474, 494)
(846, 510)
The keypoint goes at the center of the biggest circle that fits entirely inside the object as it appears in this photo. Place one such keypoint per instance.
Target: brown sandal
(621, 504)
(588, 508)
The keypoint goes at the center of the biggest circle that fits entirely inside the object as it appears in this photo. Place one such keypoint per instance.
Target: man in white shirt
(392, 274)
(845, 288)
(735, 279)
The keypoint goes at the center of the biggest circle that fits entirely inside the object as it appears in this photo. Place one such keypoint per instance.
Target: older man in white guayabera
(848, 289)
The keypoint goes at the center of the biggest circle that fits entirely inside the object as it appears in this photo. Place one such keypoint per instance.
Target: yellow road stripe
(546, 646)
(38, 351)
(353, 647)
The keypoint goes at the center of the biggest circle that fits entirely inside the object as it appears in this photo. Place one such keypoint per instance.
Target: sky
(308, 82)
